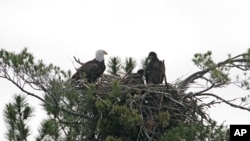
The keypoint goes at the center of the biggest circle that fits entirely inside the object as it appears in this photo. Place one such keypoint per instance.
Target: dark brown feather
(155, 70)
(90, 71)
(134, 78)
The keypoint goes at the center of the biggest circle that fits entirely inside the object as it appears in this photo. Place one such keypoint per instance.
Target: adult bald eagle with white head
(92, 69)
(155, 69)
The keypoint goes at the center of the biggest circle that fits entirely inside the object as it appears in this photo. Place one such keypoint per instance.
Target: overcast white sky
(55, 30)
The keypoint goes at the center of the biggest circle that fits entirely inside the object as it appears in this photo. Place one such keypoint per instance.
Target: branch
(223, 100)
(78, 61)
(41, 99)
(25, 91)
(183, 84)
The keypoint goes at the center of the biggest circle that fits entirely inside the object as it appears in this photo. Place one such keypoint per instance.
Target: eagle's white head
(99, 55)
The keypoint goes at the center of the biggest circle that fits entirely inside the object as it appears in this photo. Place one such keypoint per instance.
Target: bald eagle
(93, 69)
(134, 78)
(155, 69)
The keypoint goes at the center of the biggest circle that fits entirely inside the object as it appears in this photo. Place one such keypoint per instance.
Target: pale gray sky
(55, 30)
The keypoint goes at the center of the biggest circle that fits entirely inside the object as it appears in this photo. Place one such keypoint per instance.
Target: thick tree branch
(197, 75)
(183, 84)
(223, 100)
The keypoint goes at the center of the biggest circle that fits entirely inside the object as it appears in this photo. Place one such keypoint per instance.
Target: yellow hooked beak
(105, 52)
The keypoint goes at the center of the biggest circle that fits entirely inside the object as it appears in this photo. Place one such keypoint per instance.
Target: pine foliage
(114, 66)
(16, 116)
(110, 111)
(130, 64)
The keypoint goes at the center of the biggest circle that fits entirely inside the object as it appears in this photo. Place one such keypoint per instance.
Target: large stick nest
(161, 107)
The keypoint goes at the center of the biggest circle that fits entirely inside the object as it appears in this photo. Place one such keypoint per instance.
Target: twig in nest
(164, 70)
(78, 61)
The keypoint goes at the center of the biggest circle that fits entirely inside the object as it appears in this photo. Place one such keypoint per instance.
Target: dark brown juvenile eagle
(92, 69)
(134, 78)
(155, 69)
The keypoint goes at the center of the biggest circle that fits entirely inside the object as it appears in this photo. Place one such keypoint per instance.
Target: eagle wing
(88, 70)
(155, 72)
(133, 79)
(89, 67)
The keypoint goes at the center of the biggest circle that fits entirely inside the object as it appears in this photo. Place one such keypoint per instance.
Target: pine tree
(114, 66)
(109, 111)
(16, 117)
(130, 64)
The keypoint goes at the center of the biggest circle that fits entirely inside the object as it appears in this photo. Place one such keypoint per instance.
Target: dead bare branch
(223, 100)
(78, 61)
